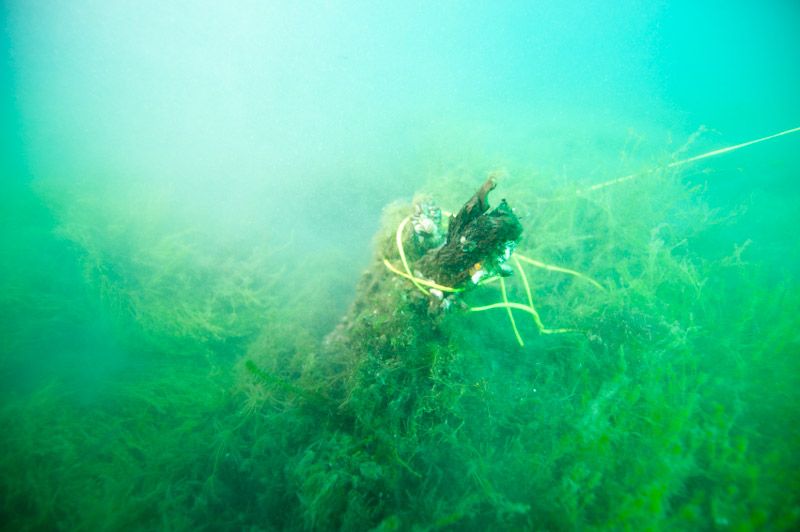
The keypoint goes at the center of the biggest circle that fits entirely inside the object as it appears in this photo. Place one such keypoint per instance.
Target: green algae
(651, 417)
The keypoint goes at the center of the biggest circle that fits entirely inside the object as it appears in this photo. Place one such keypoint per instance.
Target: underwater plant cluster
(240, 404)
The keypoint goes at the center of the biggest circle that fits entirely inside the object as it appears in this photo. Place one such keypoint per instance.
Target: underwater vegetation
(661, 400)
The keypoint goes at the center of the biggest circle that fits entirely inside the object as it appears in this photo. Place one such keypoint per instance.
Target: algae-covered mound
(592, 392)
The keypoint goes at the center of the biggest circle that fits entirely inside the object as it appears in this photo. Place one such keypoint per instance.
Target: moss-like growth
(663, 404)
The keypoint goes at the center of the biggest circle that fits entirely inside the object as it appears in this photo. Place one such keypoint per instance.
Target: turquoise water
(190, 193)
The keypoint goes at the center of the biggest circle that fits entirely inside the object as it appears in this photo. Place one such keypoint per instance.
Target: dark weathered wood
(476, 238)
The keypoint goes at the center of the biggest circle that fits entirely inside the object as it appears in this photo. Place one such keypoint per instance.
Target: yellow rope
(510, 314)
(536, 317)
(552, 268)
(529, 308)
(706, 155)
(416, 280)
(399, 240)
(520, 306)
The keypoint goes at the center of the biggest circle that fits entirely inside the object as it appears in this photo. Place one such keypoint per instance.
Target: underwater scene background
(191, 190)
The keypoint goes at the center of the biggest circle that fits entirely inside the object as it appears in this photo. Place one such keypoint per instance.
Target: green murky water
(190, 192)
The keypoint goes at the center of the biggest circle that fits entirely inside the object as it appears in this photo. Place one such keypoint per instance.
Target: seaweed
(664, 404)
